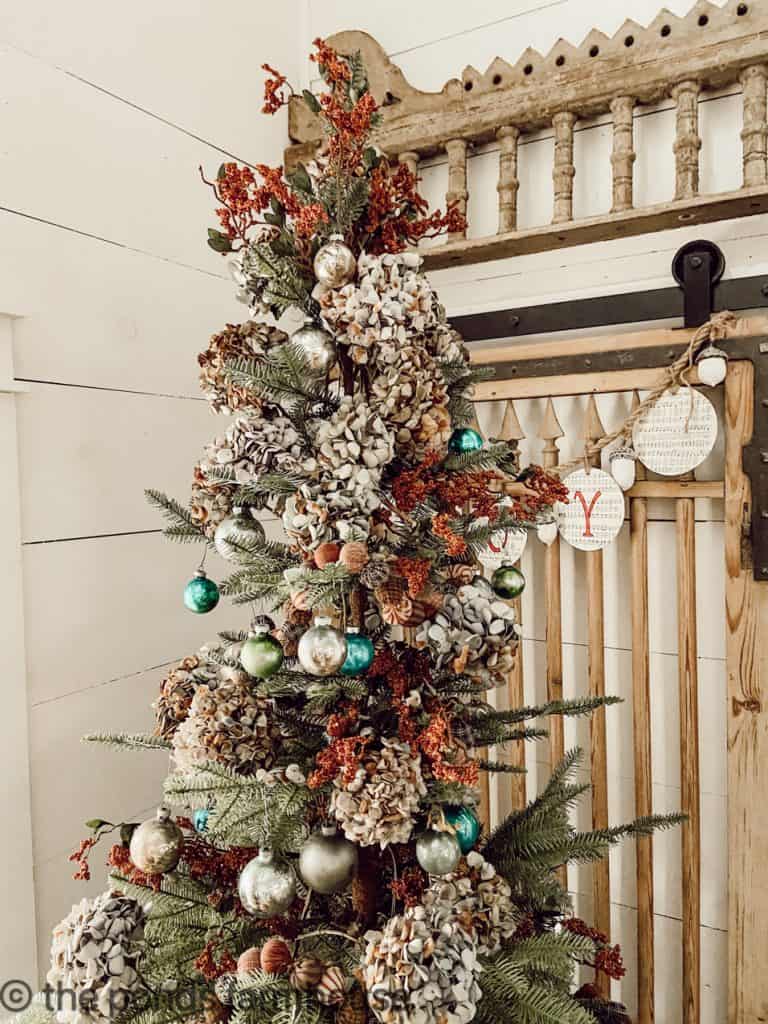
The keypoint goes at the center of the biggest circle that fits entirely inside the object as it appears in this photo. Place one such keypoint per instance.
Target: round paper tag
(677, 434)
(595, 510)
(504, 548)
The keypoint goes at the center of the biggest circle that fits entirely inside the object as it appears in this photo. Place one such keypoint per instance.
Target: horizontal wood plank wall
(105, 267)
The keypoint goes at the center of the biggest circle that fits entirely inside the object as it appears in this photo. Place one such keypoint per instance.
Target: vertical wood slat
(484, 809)
(509, 185)
(746, 605)
(563, 171)
(687, 139)
(689, 757)
(601, 880)
(754, 134)
(511, 430)
(623, 155)
(457, 180)
(643, 765)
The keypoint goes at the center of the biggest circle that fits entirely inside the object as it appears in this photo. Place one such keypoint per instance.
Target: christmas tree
(324, 861)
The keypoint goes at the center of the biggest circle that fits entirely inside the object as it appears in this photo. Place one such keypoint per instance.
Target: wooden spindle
(508, 185)
(601, 887)
(512, 431)
(687, 139)
(411, 161)
(623, 155)
(563, 171)
(641, 718)
(754, 134)
(457, 180)
(689, 756)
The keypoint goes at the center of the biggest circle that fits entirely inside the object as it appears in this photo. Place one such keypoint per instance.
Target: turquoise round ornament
(508, 582)
(466, 824)
(465, 439)
(261, 655)
(201, 595)
(360, 654)
(200, 819)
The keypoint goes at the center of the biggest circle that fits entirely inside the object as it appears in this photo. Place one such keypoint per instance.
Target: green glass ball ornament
(508, 582)
(463, 440)
(236, 531)
(267, 887)
(438, 853)
(466, 824)
(201, 595)
(360, 653)
(328, 861)
(261, 655)
(322, 649)
(200, 819)
(156, 845)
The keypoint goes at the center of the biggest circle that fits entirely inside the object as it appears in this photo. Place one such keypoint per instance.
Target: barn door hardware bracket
(697, 267)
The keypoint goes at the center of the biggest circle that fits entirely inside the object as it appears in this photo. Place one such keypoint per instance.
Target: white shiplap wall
(436, 46)
(106, 113)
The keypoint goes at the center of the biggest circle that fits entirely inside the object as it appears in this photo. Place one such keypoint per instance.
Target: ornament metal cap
(329, 830)
(711, 351)
(163, 813)
(353, 629)
(201, 574)
(623, 453)
(266, 856)
(322, 620)
(337, 236)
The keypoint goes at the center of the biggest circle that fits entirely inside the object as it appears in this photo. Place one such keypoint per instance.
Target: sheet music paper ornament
(595, 510)
(504, 548)
(676, 434)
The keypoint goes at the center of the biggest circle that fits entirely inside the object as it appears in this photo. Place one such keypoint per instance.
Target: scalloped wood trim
(676, 57)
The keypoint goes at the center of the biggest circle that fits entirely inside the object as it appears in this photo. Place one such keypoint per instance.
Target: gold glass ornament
(157, 844)
(335, 263)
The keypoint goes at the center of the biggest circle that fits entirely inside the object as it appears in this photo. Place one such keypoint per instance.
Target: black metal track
(605, 311)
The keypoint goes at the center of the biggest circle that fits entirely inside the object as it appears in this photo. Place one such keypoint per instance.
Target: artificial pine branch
(182, 527)
(128, 741)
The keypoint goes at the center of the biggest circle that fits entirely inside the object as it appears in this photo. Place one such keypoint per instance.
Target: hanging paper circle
(677, 433)
(595, 510)
(504, 548)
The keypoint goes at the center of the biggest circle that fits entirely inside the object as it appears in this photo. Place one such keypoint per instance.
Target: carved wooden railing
(673, 58)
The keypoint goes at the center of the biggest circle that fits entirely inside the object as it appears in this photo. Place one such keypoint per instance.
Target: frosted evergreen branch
(128, 741)
(181, 525)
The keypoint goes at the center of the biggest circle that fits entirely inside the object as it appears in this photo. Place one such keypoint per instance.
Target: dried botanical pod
(306, 974)
(354, 556)
(251, 340)
(375, 573)
(327, 554)
(353, 1009)
(332, 987)
(393, 600)
(249, 960)
(177, 690)
(275, 957)
(214, 1011)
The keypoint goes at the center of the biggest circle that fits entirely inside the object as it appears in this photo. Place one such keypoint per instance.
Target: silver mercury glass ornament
(335, 263)
(328, 861)
(322, 649)
(267, 887)
(156, 845)
(316, 345)
(238, 529)
(438, 853)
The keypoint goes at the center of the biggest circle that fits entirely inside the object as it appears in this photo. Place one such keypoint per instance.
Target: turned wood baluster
(509, 184)
(601, 887)
(411, 161)
(563, 171)
(687, 139)
(623, 156)
(512, 431)
(457, 180)
(754, 135)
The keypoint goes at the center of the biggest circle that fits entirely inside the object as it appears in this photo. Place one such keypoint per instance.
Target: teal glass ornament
(200, 819)
(467, 826)
(508, 582)
(201, 595)
(360, 653)
(463, 440)
(261, 655)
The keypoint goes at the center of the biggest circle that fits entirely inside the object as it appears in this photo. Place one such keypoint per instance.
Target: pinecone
(481, 900)
(230, 725)
(380, 805)
(376, 573)
(250, 340)
(94, 954)
(419, 970)
(176, 693)
(353, 1009)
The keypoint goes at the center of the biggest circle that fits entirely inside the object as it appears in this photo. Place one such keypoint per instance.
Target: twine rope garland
(674, 377)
